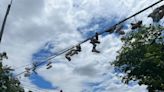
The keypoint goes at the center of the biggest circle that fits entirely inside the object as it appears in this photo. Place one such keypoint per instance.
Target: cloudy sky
(37, 29)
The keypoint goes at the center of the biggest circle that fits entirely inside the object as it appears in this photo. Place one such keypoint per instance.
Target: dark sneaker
(68, 58)
(94, 50)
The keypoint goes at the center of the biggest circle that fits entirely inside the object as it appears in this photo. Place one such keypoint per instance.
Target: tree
(141, 57)
(7, 81)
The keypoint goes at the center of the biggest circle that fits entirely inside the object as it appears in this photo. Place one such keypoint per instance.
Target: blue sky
(36, 29)
(43, 53)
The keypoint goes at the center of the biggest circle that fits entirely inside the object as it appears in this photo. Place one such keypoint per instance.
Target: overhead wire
(63, 51)
(45, 59)
(33, 88)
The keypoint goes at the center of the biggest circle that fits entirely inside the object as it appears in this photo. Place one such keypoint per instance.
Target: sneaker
(68, 58)
(94, 50)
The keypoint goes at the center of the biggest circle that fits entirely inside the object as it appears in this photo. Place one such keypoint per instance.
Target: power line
(53, 56)
(30, 88)
(122, 21)
(45, 59)
(33, 88)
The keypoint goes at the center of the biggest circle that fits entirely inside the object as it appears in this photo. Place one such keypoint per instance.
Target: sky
(37, 29)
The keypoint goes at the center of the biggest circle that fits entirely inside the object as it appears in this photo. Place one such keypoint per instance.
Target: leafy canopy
(141, 57)
(7, 82)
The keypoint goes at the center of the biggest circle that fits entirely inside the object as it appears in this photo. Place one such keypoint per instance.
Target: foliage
(141, 57)
(7, 82)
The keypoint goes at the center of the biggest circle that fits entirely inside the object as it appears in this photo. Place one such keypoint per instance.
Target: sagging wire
(95, 37)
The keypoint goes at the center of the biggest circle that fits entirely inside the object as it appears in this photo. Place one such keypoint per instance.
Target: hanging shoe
(27, 74)
(49, 67)
(4, 54)
(68, 58)
(121, 32)
(49, 63)
(94, 50)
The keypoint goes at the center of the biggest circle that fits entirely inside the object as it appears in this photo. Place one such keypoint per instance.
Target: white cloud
(33, 23)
